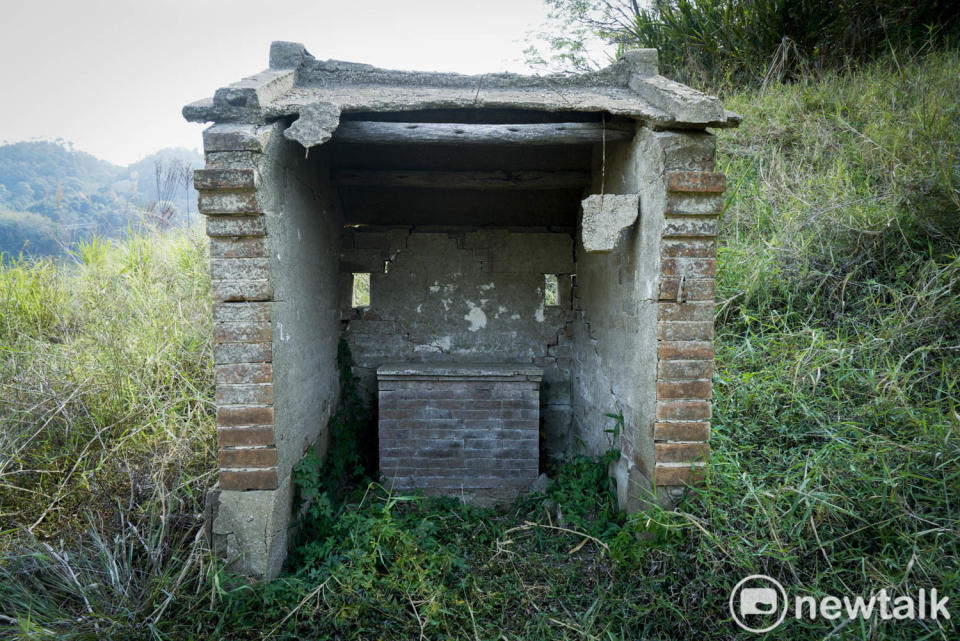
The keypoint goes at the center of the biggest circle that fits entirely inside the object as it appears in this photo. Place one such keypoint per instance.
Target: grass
(106, 430)
(836, 443)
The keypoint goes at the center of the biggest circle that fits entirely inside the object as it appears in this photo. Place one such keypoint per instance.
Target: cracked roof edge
(297, 84)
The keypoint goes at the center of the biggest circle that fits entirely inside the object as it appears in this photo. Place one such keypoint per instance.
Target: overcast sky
(111, 75)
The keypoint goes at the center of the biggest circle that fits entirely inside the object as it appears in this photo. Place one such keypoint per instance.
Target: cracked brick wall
(458, 295)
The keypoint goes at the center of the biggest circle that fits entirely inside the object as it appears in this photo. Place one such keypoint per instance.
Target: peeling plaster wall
(303, 242)
(614, 331)
(460, 296)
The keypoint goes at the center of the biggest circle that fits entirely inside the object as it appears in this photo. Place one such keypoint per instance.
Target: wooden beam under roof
(419, 206)
(447, 133)
(538, 180)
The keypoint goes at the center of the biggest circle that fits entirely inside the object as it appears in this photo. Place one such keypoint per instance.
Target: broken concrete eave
(315, 93)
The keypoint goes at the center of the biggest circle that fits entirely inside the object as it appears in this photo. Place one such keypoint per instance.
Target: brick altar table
(459, 429)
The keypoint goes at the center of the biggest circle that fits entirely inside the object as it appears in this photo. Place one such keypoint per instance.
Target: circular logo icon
(758, 603)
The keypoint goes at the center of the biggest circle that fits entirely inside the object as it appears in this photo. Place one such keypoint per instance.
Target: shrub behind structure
(753, 41)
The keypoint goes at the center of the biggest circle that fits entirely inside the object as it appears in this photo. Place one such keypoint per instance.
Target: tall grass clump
(106, 430)
(837, 433)
(843, 214)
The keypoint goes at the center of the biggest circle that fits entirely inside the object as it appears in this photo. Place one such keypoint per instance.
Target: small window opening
(361, 290)
(551, 290)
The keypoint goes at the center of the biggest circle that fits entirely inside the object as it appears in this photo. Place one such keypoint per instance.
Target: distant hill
(52, 196)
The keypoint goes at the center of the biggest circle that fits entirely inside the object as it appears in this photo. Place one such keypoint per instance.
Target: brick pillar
(240, 275)
(685, 319)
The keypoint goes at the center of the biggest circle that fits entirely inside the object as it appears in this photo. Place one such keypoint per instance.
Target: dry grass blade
(314, 593)
(529, 525)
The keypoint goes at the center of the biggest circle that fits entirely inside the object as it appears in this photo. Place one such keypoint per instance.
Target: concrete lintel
(604, 217)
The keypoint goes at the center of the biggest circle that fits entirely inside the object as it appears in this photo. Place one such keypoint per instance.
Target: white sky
(111, 75)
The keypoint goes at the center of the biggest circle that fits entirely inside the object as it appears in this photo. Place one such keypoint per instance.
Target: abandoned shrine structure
(539, 251)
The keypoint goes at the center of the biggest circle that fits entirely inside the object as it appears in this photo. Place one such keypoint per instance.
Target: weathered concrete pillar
(249, 512)
(646, 291)
(274, 243)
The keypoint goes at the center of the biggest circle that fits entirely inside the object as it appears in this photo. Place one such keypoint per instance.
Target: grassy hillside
(836, 463)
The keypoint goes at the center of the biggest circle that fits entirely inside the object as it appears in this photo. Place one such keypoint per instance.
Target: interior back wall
(462, 296)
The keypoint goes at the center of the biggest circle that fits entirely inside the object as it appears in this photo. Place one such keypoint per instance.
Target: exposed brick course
(228, 202)
(681, 452)
(239, 268)
(685, 323)
(244, 394)
(241, 290)
(246, 415)
(236, 226)
(219, 179)
(224, 353)
(236, 373)
(685, 330)
(671, 289)
(230, 159)
(686, 227)
(243, 312)
(248, 479)
(684, 350)
(241, 137)
(247, 457)
(241, 332)
(237, 247)
(689, 267)
(688, 248)
(687, 311)
(683, 390)
(668, 370)
(683, 205)
(681, 431)
(696, 181)
(678, 475)
(245, 436)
